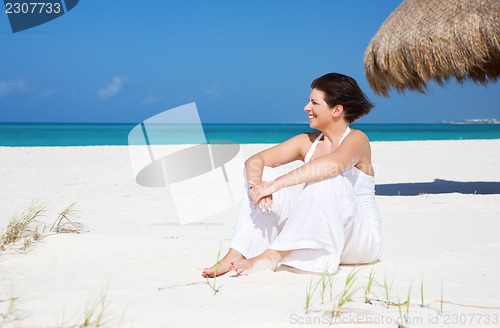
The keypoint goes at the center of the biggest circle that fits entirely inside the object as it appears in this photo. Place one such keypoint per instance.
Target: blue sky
(240, 61)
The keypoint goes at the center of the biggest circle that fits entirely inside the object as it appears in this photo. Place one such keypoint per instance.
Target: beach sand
(440, 208)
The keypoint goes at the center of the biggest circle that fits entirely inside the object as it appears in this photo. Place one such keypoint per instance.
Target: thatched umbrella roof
(424, 40)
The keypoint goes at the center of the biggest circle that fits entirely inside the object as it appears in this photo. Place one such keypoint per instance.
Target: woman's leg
(269, 259)
(313, 237)
(255, 230)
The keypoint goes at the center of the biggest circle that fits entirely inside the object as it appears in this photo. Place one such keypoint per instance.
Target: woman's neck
(335, 131)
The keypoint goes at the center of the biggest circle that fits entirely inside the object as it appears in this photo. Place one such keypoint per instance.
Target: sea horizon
(100, 134)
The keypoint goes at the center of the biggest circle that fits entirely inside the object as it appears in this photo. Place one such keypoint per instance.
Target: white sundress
(323, 223)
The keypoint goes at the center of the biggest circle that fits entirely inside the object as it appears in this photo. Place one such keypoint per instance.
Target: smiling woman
(321, 214)
(338, 89)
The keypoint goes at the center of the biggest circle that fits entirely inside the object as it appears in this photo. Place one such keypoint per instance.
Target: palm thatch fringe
(425, 40)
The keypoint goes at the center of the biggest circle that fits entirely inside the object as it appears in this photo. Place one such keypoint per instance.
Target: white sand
(150, 267)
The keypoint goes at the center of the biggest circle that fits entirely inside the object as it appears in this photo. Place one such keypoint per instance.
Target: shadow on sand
(438, 186)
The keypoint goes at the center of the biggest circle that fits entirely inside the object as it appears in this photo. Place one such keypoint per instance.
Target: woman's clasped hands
(261, 194)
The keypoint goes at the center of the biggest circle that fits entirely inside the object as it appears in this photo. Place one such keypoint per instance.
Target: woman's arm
(286, 152)
(349, 153)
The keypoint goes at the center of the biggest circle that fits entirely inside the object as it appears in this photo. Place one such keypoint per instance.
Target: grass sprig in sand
(404, 305)
(368, 288)
(324, 282)
(348, 292)
(64, 224)
(408, 298)
(422, 291)
(8, 314)
(330, 284)
(387, 291)
(400, 309)
(310, 289)
(404, 317)
(216, 269)
(23, 227)
(26, 228)
(93, 316)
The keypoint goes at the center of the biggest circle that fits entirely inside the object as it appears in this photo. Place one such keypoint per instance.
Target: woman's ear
(337, 110)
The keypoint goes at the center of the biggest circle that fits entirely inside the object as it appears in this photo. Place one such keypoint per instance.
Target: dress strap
(310, 152)
(345, 135)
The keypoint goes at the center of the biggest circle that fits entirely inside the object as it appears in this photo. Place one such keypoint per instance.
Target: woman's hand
(261, 194)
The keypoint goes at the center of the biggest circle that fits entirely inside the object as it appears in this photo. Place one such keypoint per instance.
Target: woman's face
(317, 110)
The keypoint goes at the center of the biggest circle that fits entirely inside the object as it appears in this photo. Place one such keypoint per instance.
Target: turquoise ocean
(59, 134)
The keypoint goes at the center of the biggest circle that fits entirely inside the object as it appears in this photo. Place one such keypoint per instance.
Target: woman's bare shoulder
(303, 142)
(358, 135)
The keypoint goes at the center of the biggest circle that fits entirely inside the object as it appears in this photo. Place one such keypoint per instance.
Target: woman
(333, 218)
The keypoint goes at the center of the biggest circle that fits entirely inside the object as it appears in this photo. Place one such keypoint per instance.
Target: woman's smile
(316, 106)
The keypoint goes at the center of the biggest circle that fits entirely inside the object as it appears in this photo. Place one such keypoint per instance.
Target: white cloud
(12, 86)
(113, 88)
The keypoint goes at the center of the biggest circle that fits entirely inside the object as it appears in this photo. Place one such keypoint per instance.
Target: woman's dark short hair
(343, 90)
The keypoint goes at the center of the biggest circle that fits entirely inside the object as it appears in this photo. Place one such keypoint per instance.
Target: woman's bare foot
(266, 261)
(223, 266)
(242, 267)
